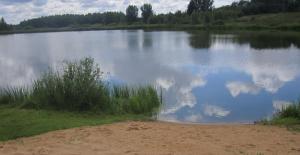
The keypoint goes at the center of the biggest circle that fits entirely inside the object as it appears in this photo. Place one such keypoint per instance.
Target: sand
(159, 138)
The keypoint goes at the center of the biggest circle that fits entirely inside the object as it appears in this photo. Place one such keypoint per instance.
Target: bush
(79, 87)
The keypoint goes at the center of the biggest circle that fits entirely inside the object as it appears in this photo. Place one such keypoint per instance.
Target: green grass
(289, 116)
(71, 97)
(271, 19)
(79, 87)
(16, 122)
(278, 21)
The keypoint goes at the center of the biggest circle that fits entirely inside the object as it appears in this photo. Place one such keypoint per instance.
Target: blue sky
(15, 11)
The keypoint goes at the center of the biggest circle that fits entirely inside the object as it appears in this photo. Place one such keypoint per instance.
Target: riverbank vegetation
(288, 116)
(200, 14)
(72, 96)
(79, 86)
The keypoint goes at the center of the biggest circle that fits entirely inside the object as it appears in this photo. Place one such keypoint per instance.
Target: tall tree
(147, 12)
(132, 12)
(200, 5)
(3, 25)
(2, 20)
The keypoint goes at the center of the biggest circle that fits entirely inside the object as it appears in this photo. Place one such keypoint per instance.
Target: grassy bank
(288, 116)
(17, 122)
(72, 96)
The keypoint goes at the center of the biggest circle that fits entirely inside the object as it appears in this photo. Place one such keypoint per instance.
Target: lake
(206, 77)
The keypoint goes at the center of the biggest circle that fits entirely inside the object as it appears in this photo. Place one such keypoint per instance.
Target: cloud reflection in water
(240, 76)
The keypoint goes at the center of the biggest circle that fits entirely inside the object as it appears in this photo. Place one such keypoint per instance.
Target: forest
(197, 12)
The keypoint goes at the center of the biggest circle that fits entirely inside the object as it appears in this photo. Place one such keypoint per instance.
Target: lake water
(206, 77)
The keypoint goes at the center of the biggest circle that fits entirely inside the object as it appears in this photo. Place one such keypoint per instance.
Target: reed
(79, 86)
(291, 111)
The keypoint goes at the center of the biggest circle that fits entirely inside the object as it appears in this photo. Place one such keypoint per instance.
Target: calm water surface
(205, 77)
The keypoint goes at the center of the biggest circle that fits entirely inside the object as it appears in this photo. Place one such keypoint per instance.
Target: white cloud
(278, 105)
(185, 96)
(165, 83)
(269, 69)
(194, 118)
(168, 118)
(237, 88)
(216, 111)
(14, 74)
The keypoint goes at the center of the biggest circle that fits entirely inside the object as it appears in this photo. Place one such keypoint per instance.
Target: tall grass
(79, 86)
(13, 95)
(290, 111)
(288, 116)
(134, 100)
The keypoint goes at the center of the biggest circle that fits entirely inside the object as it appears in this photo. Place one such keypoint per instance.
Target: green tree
(268, 6)
(200, 6)
(147, 12)
(132, 13)
(3, 25)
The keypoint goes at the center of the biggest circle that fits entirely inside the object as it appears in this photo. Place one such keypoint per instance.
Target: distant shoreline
(156, 27)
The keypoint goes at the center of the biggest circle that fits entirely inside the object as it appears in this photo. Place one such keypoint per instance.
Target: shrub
(79, 87)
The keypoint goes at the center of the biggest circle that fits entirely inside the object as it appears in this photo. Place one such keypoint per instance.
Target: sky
(15, 11)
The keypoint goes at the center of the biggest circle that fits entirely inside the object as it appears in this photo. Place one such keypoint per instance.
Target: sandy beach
(158, 138)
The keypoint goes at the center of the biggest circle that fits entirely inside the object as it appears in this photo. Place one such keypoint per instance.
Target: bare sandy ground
(159, 138)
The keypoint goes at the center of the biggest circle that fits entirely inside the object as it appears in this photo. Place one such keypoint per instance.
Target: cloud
(278, 105)
(185, 96)
(168, 118)
(237, 88)
(269, 69)
(14, 74)
(215, 111)
(15, 11)
(194, 118)
(10, 2)
(165, 83)
(40, 2)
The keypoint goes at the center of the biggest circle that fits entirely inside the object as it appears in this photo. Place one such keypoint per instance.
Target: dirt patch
(158, 138)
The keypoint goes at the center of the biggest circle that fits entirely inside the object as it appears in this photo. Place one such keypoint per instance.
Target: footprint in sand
(132, 128)
(43, 151)
(249, 146)
(137, 127)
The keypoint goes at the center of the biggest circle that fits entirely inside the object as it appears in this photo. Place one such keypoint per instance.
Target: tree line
(197, 12)
(266, 6)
